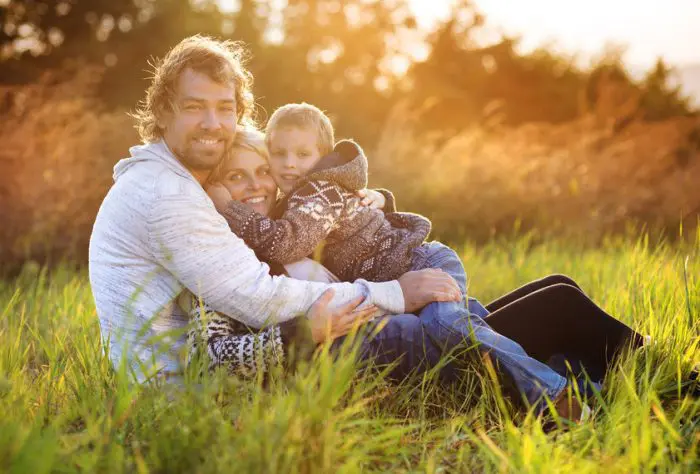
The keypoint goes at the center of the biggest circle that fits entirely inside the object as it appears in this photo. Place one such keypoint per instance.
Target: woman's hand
(328, 324)
(219, 195)
(371, 198)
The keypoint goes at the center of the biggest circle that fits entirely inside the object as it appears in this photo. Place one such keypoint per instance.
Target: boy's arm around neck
(311, 215)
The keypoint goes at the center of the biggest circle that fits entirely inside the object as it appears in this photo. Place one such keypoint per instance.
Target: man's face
(202, 125)
(293, 153)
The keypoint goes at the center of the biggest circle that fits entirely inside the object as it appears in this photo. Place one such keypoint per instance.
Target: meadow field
(65, 409)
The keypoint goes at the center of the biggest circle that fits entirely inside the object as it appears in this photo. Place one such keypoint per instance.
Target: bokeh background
(477, 114)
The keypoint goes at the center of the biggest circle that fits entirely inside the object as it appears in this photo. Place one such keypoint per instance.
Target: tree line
(348, 57)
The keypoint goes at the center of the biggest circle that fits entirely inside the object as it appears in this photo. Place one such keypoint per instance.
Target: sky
(650, 28)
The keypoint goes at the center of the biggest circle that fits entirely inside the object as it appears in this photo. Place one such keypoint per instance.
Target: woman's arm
(227, 343)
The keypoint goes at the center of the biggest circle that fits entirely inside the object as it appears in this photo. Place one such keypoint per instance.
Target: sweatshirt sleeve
(189, 239)
(312, 214)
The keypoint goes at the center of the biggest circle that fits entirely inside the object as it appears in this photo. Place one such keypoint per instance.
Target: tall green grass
(64, 409)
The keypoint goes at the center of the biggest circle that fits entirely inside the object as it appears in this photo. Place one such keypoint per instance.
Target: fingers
(324, 300)
(348, 322)
(443, 296)
(349, 307)
(361, 193)
(444, 286)
(369, 311)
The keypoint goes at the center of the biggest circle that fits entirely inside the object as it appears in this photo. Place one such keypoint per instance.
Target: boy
(320, 213)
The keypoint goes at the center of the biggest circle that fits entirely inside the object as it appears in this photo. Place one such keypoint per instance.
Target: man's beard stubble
(203, 161)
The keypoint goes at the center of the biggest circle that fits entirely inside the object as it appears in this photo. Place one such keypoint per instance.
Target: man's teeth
(208, 142)
(254, 200)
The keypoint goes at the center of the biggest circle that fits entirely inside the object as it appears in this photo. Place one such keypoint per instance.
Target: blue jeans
(449, 324)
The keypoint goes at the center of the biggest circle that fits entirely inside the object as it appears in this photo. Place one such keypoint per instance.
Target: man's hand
(371, 198)
(425, 286)
(328, 324)
(219, 195)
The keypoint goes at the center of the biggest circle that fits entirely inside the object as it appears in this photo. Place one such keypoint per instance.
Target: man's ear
(162, 118)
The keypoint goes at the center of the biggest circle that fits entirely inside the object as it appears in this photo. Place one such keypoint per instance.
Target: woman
(547, 320)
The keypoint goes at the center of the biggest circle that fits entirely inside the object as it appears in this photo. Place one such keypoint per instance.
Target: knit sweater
(323, 214)
(158, 233)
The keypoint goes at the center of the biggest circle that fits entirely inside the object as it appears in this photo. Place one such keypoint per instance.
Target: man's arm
(314, 210)
(192, 241)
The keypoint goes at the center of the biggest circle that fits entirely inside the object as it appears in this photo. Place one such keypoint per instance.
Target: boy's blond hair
(303, 116)
(247, 138)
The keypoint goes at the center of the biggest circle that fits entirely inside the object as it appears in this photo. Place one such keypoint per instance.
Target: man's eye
(228, 109)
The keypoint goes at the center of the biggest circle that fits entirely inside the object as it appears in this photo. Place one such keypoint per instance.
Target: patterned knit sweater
(323, 216)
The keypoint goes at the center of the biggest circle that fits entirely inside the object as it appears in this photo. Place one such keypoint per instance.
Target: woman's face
(247, 177)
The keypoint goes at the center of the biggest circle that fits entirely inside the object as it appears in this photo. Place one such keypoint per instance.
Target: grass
(64, 409)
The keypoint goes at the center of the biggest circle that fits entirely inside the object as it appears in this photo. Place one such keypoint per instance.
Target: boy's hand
(371, 198)
(219, 195)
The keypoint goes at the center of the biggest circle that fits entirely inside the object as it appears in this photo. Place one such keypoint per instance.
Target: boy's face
(293, 153)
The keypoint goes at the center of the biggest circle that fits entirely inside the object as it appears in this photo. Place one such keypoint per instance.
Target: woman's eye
(265, 171)
(234, 177)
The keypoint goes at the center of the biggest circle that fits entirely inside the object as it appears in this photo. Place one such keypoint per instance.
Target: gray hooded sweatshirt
(158, 233)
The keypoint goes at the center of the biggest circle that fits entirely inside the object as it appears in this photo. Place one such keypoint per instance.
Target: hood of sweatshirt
(148, 154)
(345, 166)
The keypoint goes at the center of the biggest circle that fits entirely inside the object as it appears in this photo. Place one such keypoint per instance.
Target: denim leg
(475, 307)
(401, 341)
(451, 323)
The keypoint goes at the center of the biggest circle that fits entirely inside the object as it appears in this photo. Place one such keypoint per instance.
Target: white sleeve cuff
(387, 296)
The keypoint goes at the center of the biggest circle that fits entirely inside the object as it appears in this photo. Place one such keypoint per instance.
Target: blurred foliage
(72, 68)
(345, 56)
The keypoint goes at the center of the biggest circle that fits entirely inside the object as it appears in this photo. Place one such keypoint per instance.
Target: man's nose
(211, 120)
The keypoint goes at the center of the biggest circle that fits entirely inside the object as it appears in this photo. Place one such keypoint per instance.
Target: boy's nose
(290, 162)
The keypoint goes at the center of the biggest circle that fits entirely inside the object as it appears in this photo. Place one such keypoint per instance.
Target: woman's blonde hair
(247, 138)
(222, 61)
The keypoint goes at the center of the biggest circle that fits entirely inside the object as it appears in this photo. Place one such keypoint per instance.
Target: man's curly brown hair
(222, 61)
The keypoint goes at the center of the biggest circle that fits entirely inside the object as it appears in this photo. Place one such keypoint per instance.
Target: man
(157, 233)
